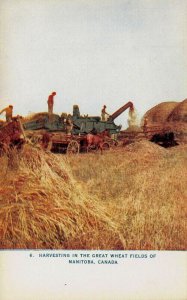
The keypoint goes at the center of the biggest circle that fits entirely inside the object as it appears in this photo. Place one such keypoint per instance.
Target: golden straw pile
(42, 206)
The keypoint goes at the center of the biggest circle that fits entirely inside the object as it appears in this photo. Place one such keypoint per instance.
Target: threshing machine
(81, 124)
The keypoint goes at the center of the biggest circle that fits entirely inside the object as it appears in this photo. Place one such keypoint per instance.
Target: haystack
(35, 116)
(171, 116)
(145, 147)
(179, 113)
(160, 112)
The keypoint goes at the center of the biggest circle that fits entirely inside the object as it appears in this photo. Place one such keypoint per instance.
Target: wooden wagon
(60, 142)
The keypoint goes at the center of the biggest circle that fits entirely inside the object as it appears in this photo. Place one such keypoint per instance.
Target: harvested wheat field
(132, 198)
(143, 187)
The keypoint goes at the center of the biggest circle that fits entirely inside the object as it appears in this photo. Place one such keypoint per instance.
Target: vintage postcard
(93, 149)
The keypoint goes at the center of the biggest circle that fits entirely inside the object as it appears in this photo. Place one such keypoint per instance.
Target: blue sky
(92, 53)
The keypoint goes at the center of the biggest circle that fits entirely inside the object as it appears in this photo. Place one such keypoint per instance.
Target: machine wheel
(115, 143)
(92, 148)
(46, 142)
(73, 147)
(106, 146)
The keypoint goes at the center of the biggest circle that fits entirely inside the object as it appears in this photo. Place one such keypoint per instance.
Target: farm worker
(8, 111)
(93, 131)
(145, 124)
(69, 125)
(104, 114)
(50, 103)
